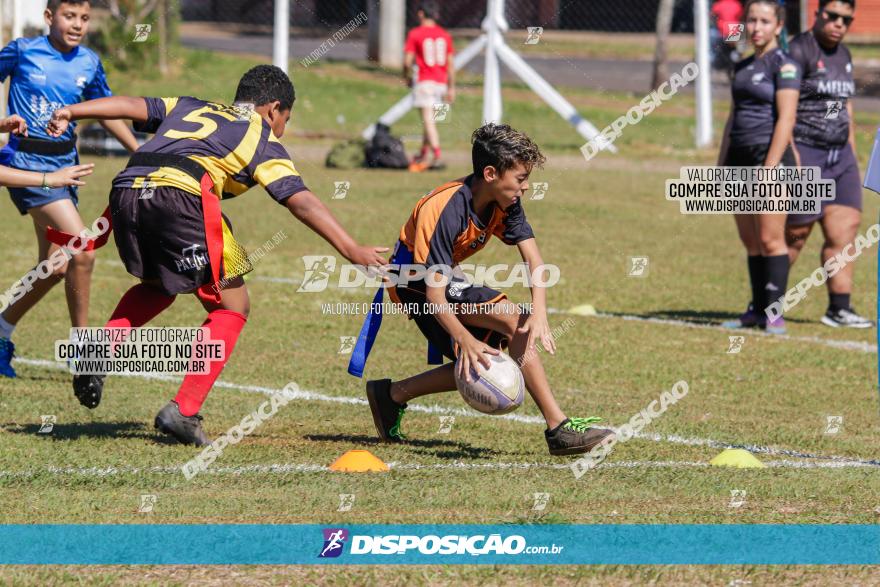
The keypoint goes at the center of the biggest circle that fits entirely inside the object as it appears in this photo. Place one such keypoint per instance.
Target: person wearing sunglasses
(824, 136)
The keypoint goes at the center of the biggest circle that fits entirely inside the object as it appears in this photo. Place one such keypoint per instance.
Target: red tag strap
(213, 220)
(214, 238)
(63, 239)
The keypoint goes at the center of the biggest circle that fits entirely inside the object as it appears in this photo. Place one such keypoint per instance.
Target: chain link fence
(318, 14)
(586, 15)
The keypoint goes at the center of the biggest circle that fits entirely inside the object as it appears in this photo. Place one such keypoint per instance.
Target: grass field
(775, 395)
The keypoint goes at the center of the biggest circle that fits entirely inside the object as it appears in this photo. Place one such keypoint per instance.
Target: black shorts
(413, 295)
(161, 236)
(839, 164)
(754, 156)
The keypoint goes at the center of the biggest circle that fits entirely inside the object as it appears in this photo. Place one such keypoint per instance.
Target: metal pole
(280, 45)
(17, 20)
(704, 79)
(492, 109)
(392, 28)
(373, 31)
(494, 24)
(549, 94)
(805, 23)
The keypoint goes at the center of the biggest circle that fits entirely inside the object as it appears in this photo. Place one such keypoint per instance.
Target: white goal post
(496, 51)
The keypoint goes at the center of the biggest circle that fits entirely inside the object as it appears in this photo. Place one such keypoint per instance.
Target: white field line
(841, 344)
(851, 345)
(435, 409)
(290, 468)
(298, 395)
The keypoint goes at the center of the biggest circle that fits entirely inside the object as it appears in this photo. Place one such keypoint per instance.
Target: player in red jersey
(429, 47)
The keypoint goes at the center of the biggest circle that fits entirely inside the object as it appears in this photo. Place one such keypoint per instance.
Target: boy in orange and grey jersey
(446, 227)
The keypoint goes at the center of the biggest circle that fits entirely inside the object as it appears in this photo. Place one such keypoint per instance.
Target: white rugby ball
(497, 390)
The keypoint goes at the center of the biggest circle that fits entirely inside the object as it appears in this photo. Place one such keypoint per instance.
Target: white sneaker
(846, 319)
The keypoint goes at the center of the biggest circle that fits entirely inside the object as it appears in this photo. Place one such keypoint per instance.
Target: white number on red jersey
(434, 51)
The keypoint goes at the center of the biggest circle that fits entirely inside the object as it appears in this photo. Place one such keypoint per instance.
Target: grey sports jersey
(822, 118)
(754, 87)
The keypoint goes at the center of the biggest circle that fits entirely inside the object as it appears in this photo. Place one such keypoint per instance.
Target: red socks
(142, 303)
(223, 325)
(138, 306)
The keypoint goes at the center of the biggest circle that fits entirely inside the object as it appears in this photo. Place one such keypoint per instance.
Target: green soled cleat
(387, 413)
(575, 436)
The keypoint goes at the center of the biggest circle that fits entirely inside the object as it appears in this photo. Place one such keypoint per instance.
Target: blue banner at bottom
(627, 544)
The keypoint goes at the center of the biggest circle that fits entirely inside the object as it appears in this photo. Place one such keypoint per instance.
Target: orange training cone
(358, 461)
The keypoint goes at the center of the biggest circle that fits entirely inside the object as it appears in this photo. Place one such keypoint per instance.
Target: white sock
(5, 328)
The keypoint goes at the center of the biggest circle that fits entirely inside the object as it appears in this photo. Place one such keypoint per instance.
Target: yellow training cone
(584, 310)
(737, 457)
(358, 461)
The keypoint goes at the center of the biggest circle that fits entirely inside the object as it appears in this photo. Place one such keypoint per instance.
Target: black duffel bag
(386, 150)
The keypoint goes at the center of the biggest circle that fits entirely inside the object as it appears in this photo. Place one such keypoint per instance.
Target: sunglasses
(833, 17)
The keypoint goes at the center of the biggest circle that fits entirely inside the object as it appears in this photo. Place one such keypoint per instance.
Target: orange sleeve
(435, 232)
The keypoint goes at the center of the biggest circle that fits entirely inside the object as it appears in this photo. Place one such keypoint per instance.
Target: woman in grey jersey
(824, 137)
(765, 89)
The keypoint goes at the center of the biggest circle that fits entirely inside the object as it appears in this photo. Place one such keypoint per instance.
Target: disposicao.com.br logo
(334, 541)
(320, 268)
(476, 545)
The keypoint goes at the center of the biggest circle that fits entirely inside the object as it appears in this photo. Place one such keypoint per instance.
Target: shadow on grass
(701, 318)
(443, 449)
(77, 430)
(33, 376)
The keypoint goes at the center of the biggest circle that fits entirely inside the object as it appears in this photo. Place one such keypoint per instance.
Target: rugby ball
(497, 390)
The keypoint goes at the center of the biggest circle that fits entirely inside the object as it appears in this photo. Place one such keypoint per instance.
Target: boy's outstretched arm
(122, 132)
(312, 212)
(18, 178)
(113, 108)
(536, 325)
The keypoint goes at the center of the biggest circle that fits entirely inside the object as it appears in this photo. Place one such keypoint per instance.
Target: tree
(132, 12)
(127, 44)
(664, 26)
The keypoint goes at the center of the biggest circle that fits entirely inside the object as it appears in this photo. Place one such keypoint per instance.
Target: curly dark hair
(502, 147)
(266, 83)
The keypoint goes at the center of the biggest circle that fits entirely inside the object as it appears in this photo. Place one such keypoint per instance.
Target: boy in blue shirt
(48, 73)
